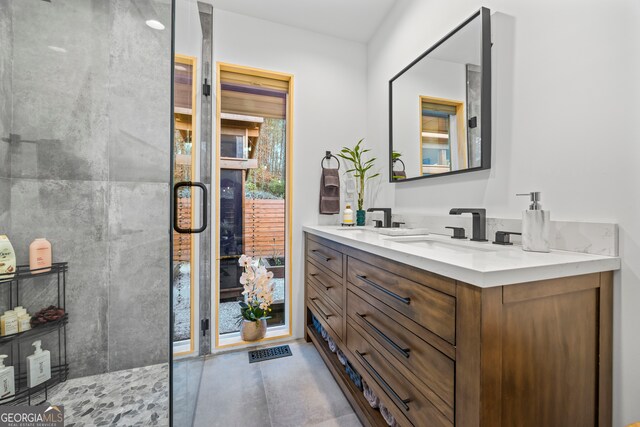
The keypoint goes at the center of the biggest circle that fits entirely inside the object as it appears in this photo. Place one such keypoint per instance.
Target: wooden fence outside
(264, 227)
(182, 242)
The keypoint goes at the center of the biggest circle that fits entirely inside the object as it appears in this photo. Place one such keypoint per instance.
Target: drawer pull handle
(383, 383)
(402, 351)
(325, 315)
(405, 300)
(326, 258)
(325, 286)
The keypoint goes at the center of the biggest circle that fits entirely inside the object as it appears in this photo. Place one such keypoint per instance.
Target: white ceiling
(354, 20)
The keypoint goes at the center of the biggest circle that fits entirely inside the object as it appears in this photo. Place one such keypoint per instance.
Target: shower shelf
(30, 395)
(36, 332)
(24, 272)
(17, 346)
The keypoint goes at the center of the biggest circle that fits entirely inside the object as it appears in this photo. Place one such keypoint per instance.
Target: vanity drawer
(325, 257)
(325, 284)
(326, 312)
(397, 394)
(418, 359)
(427, 307)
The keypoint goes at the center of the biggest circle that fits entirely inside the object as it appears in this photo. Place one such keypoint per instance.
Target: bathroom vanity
(462, 333)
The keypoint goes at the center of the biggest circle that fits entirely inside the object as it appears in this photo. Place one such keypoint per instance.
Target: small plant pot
(275, 265)
(253, 330)
(360, 217)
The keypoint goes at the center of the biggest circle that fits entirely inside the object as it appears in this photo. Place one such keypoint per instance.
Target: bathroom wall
(329, 106)
(91, 104)
(6, 52)
(564, 113)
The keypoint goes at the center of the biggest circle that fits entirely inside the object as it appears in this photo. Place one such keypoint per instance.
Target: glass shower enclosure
(85, 161)
(192, 130)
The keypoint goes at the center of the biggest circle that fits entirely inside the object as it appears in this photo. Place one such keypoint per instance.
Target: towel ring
(328, 156)
(403, 166)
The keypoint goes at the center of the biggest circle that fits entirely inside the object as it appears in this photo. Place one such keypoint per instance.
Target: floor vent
(269, 353)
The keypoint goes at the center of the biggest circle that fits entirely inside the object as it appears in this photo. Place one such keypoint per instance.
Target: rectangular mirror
(440, 106)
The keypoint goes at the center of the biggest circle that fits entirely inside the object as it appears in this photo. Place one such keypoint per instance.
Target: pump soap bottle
(38, 366)
(7, 381)
(536, 225)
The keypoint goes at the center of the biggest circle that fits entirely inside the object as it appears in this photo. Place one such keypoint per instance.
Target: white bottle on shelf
(24, 322)
(38, 365)
(7, 381)
(24, 319)
(9, 323)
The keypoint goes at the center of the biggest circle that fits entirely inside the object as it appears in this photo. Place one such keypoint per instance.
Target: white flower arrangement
(258, 290)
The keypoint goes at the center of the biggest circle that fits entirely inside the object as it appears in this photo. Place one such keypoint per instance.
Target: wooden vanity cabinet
(439, 352)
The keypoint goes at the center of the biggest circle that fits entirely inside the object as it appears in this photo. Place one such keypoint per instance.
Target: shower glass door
(191, 227)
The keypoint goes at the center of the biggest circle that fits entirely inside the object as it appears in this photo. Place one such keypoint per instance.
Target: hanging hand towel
(399, 175)
(329, 192)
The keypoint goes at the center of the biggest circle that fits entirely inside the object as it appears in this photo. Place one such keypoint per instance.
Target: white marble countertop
(482, 264)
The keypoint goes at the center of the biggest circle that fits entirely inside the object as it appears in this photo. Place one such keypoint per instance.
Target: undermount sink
(461, 247)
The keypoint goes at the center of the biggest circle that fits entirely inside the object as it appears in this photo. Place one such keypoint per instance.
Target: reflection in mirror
(445, 85)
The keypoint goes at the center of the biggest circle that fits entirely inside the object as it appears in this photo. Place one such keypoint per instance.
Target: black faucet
(387, 216)
(479, 222)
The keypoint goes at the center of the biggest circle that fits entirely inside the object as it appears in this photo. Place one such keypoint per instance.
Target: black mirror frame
(485, 100)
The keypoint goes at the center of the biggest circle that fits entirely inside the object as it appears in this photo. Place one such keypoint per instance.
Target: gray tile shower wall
(91, 169)
(60, 89)
(5, 205)
(139, 104)
(6, 53)
(139, 274)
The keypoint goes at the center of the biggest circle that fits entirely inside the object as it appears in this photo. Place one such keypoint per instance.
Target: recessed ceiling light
(181, 68)
(156, 25)
(57, 49)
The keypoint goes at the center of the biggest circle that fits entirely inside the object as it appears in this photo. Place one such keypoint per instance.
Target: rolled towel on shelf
(388, 416)
(370, 395)
(330, 192)
(354, 375)
(341, 357)
(316, 324)
(332, 345)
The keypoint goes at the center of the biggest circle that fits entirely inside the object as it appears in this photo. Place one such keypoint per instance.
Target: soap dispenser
(536, 225)
(7, 381)
(38, 365)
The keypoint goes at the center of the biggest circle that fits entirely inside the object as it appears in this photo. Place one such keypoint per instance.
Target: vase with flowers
(258, 297)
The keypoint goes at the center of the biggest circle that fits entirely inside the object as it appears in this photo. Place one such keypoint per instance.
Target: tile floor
(132, 397)
(288, 392)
